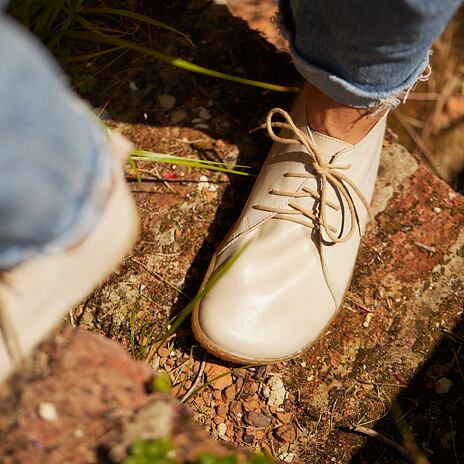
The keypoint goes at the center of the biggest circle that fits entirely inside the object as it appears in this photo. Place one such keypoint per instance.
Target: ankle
(329, 117)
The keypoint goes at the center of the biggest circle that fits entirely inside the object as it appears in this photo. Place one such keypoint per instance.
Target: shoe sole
(218, 352)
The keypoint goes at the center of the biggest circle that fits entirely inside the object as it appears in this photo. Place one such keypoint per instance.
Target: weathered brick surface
(399, 332)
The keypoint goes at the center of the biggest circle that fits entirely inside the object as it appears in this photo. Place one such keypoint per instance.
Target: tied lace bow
(328, 174)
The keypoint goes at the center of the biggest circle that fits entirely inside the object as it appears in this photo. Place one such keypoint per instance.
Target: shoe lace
(327, 174)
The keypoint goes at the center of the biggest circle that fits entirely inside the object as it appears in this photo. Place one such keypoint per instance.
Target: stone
(229, 393)
(219, 372)
(235, 407)
(257, 419)
(248, 438)
(443, 385)
(250, 388)
(221, 410)
(178, 116)
(274, 391)
(286, 433)
(252, 405)
(167, 102)
(47, 412)
(222, 429)
(204, 114)
(287, 457)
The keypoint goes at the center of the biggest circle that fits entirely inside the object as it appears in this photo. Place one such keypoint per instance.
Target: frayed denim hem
(341, 90)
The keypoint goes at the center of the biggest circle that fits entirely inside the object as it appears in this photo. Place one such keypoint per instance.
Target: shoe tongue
(328, 145)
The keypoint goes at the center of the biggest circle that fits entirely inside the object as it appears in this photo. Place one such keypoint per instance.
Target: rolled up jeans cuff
(348, 93)
(55, 172)
(345, 92)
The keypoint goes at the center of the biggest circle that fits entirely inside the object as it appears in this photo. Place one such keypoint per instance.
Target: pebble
(285, 433)
(248, 438)
(222, 429)
(167, 102)
(235, 407)
(47, 412)
(133, 86)
(274, 391)
(257, 419)
(214, 370)
(252, 405)
(443, 385)
(250, 388)
(178, 116)
(221, 410)
(204, 114)
(229, 393)
(202, 126)
(287, 457)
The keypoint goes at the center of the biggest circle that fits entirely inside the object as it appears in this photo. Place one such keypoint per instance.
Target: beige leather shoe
(35, 295)
(303, 223)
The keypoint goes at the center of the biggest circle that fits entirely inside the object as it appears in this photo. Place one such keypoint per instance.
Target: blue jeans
(54, 169)
(363, 52)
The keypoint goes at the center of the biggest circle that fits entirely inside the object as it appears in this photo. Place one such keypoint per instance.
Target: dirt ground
(300, 410)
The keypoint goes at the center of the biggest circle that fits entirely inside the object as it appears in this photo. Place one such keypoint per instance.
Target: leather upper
(275, 299)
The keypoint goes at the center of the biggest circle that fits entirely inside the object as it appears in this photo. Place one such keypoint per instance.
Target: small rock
(163, 352)
(222, 429)
(221, 410)
(285, 433)
(47, 412)
(213, 370)
(275, 383)
(167, 102)
(250, 388)
(274, 391)
(443, 385)
(287, 457)
(79, 433)
(261, 370)
(248, 438)
(252, 405)
(235, 407)
(133, 86)
(178, 116)
(229, 393)
(257, 419)
(230, 432)
(204, 114)
(202, 126)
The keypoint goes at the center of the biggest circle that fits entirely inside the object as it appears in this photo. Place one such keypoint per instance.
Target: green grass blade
(201, 294)
(139, 17)
(178, 62)
(144, 153)
(136, 171)
(141, 155)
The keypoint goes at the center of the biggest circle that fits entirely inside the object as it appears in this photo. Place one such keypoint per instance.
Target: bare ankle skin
(342, 122)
